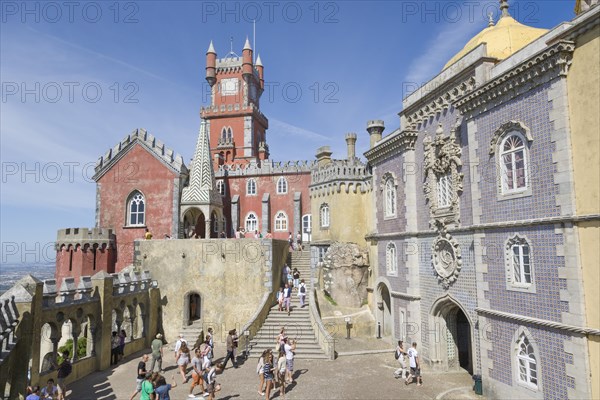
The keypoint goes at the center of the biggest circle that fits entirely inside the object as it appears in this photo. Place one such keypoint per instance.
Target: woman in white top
(260, 370)
(400, 353)
(183, 359)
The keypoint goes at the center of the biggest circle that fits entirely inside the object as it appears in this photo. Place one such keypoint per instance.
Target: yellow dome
(503, 39)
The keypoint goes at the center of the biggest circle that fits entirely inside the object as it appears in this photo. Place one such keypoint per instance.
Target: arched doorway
(201, 226)
(192, 308)
(452, 346)
(384, 306)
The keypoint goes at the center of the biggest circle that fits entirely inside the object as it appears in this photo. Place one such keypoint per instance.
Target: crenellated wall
(38, 317)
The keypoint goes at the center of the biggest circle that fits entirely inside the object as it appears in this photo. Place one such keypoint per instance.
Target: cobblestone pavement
(368, 376)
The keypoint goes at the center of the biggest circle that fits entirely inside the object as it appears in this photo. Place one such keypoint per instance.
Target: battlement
(215, 111)
(229, 62)
(353, 175)
(103, 237)
(266, 167)
(141, 136)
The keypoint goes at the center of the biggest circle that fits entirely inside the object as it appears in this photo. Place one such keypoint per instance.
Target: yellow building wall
(349, 220)
(583, 83)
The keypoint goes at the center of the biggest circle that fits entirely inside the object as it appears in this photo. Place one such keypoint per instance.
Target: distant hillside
(11, 273)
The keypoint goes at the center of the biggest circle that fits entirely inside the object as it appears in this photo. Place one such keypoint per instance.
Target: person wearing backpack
(400, 356)
(64, 369)
(302, 293)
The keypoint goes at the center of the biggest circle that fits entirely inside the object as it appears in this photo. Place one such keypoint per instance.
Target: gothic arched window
(251, 222)
(391, 259)
(281, 221)
(513, 163)
(527, 362)
(136, 209)
(390, 197)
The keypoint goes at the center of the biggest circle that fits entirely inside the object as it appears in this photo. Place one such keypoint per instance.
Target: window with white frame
(136, 209)
(391, 259)
(282, 185)
(513, 163)
(324, 215)
(221, 187)
(519, 264)
(251, 187)
(390, 197)
(444, 190)
(281, 221)
(527, 362)
(520, 258)
(251, 222)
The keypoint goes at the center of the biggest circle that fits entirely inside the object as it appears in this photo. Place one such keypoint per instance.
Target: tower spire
(504, 8)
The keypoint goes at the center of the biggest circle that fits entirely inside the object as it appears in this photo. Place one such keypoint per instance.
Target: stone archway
(450, 336)
(384, 309)
(194, 223)
(192, 308)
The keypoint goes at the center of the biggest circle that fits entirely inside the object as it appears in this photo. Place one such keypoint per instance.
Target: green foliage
(328, 297)
(68, 346)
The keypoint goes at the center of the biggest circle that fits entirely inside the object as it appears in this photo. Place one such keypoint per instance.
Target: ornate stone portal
(345, 274)
(446, 259)
(443, 181)
(443, 184)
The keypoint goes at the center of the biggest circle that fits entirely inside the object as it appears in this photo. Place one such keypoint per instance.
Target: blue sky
(77, 79)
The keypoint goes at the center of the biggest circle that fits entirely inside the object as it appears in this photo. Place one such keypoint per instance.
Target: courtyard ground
(367, 375)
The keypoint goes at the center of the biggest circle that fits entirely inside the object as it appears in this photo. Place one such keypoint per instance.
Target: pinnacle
(259, 61)
(247, 44)
(211, 48)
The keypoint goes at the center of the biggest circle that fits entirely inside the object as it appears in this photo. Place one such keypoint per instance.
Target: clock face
(229, 86)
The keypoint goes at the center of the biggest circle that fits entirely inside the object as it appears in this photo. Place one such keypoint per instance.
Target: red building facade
(141, 185)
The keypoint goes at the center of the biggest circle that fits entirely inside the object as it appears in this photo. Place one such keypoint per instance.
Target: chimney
(375, 129)
(323, 155)
(351, 145)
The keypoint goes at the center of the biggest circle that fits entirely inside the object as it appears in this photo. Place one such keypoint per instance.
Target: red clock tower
(236, 126)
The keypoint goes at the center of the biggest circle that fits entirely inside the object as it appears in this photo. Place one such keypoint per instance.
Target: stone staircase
(191, 333)
(297, 324)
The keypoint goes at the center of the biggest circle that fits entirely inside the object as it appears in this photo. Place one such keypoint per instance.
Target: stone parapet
(81, 236)
(266, 167)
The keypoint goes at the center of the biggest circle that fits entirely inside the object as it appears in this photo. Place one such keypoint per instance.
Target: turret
(375, 129)
(351, 145)
(261, 72)
(247, 58)
(211, 65)
(323, 155)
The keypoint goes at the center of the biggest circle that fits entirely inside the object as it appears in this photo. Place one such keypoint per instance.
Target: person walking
(157, 352)
(268, 372)
(147, 390)
(296, 276)
(197, 373)
(140, 376)
(280, 371)
(163, 388)
(183, 359)
(261, 372)
(290, 350)
(280, 299)
(230, 349)
(64, 369)
(178, 344)
(302, 293)
(299, 241)
(399, 355)
(287, 297)
(122, 337)
(212, 386)
(415, 366)
(115, 345)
